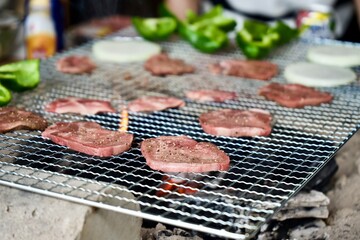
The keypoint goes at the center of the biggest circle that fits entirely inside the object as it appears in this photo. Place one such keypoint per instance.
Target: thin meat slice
(294, 95)
(261, 70)
(154, 103)
(210, 95)
(75, 64)
(89, 138)
(183, 154)
(236, 123)
(82, 106)
(12, 118)
(162, 65)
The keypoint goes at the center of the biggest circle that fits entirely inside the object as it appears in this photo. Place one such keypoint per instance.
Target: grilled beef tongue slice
(82, 106)
(12, 118)
(154, 103)
(210, 95)
(162, 65)
(236, 123)
(183, 154)
(75, 64)
(89, 138)
(294, 95)
(254, 69)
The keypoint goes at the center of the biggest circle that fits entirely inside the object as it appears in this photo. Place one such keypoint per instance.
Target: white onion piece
(124, 51)
(318, 75)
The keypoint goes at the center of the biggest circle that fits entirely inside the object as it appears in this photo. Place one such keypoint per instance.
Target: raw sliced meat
(82, 106)
(294, 95)
(210, 95)
(12, 118)
(261, 70)
(89, 138)
(153, 103)
(162, 65)
(183, 154)
(236, 123)
(75, 64)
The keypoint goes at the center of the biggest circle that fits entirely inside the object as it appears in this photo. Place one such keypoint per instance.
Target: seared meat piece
(210, 95)
(261, 70)
(149, 104)
(183, 154)
(162, 65)
(75, 65)
(82, 106)
(89, 138)
(236, 123)
(12, 118)
(294, 95)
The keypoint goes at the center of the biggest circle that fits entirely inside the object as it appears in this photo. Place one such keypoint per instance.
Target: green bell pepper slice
(213, 17)
(5, 96)
(258, 39)
(208, 39)
(285, 32)
(155, 29)
(20, 76)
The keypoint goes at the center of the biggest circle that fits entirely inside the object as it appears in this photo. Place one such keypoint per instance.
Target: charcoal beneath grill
(161, 232)
(303, 229)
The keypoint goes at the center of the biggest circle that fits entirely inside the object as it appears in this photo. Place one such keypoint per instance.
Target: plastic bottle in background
(40, 35)
(57, 13)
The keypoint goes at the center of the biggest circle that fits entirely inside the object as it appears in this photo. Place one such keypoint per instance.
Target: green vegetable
(214, 17)
(207, 39)
(20, 76)
(154, 29)
(5, 96)
(286, 33)
(258, 39)
(200, 31)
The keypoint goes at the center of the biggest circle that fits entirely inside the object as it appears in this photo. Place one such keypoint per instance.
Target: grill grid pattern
(265, 171)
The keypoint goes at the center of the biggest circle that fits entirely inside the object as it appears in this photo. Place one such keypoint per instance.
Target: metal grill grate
(265, 171)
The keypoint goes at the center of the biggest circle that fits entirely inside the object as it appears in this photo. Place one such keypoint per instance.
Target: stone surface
(25, 215)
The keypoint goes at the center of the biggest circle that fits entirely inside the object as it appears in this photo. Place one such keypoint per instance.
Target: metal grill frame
(265, 171)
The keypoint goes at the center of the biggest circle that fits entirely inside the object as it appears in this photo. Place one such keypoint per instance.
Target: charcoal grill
(265, 171)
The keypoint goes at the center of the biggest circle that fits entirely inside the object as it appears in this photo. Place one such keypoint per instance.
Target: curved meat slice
(82, 106)
(236, 123)
(89, 138)
(183, 154)
(294, 95)
(162, 65)
(261, 70)
(75, 64)
(153, 103)
(12, 118)
(210, 95)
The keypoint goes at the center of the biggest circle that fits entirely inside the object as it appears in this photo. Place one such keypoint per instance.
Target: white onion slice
(124, 51)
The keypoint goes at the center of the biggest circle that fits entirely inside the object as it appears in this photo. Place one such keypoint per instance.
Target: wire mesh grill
(264, 173)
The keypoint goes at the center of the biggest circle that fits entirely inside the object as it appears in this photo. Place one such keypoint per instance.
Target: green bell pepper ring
(154, 29)
(253, 49)
(285, 32)
(213, 17)
(5, 96)
(192, 17)
(257, 39)
(20, 76)
(208, 39)
(223, 23)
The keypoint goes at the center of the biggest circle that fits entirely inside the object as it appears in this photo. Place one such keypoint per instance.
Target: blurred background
(68, 23)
